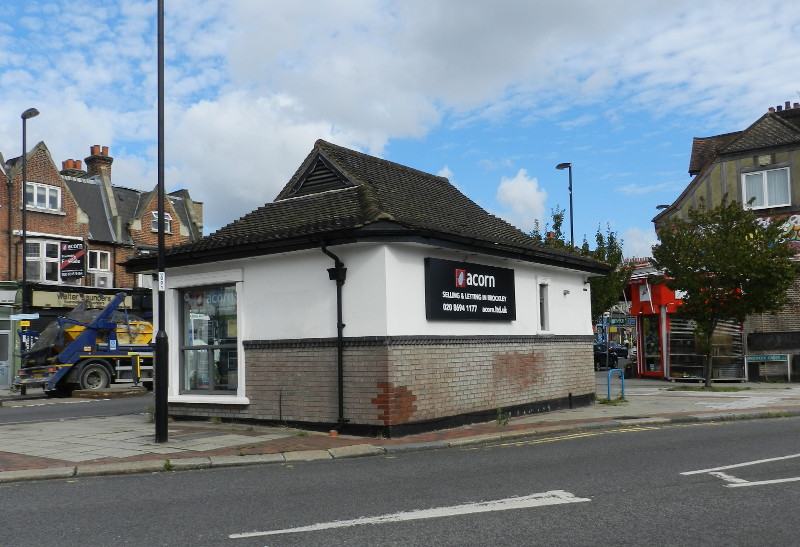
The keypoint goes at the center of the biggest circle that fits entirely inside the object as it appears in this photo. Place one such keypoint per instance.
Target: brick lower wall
(395, 381)
(786, 320)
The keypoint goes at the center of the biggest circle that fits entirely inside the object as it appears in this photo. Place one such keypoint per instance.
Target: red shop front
(652, 305)
(667, 347)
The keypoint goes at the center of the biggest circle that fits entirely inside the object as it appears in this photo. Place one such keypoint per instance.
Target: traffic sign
(23, 316)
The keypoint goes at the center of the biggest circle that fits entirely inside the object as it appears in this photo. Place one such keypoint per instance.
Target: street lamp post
(561, 166)
(30, 113)
(161, 417)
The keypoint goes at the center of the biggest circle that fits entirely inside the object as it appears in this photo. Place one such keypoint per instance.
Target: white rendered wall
(569, 313)
(290, 296)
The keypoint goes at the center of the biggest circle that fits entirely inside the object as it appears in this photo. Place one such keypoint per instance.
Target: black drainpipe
(338, 273)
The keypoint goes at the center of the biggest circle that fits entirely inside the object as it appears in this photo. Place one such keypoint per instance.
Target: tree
(728, 264)
(607, 290)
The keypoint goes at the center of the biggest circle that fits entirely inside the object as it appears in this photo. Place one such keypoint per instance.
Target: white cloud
(252, 84)
(523, 200)
(634, 189)
(446, 173)
(637, 242)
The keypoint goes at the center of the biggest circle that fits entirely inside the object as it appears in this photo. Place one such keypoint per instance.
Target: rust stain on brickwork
(395, 404)
(522, 369)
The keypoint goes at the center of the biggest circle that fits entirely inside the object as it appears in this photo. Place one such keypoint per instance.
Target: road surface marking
(27, 404)
(728, 478)
(735, 482)
(761, 483)
(736, 465)
(553, 497)
(571, 436)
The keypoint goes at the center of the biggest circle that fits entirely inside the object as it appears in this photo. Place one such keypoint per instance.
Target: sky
(491, 94)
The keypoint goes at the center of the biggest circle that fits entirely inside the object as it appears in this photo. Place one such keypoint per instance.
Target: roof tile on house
(344, 193)
(772, 129)
(705, 149)
(88, 195)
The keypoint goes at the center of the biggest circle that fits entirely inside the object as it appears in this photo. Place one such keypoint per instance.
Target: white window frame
(174, 304)
(544, 305)
(167, 222)
(49, 191)
(94, 267)
(42, 260)
(765, 188)
(95, 261)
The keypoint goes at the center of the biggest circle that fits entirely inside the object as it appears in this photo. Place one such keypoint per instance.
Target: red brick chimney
(99, 160)
(73, 168)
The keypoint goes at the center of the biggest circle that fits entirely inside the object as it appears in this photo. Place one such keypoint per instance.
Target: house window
(208, 340)
(167, 222)
(99, 269)
(41, 261)
(42, 196)
(768, 188)
(544, 319)
(100, 260)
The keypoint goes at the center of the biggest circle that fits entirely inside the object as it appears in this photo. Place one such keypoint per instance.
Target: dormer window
(769, 188)
(167, 222)
(42, 196)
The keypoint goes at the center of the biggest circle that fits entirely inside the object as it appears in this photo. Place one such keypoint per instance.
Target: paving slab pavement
(125, 444)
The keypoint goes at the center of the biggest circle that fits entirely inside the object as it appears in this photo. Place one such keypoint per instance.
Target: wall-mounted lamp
(566, 292)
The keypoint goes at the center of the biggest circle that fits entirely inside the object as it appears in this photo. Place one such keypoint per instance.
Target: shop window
(768, 188)
(651, 344)
(42, 196)
(209, 362)
(41, 261)
(167, 222)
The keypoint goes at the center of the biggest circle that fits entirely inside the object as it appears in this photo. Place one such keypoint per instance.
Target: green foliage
(728, 265)
(553, 235)
(607, 290)
(611, 402)
(503, 417)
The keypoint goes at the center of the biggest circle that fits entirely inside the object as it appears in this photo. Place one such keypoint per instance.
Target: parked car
(619, 350)
(604, 359)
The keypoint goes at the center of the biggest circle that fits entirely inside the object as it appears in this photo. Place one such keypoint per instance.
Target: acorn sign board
(462, 291)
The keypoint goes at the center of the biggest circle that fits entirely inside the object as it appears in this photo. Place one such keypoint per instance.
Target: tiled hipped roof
(340, 193)
(775, 128)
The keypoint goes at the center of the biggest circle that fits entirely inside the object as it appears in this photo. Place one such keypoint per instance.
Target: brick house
(760, 163)
(375, 297)
(79, 229)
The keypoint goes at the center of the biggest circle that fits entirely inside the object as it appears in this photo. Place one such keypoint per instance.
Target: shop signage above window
(463, 291)
(45, 299)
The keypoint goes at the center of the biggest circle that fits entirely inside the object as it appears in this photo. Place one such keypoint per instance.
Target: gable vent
(321, 177)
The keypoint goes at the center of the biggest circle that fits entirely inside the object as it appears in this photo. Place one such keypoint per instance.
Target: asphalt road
(23, 410)
(658, 485)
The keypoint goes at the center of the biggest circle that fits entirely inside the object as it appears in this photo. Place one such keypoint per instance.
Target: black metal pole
(29, 113)
(162, 342)
(571, 224)
(561, 166)
(24, 187)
